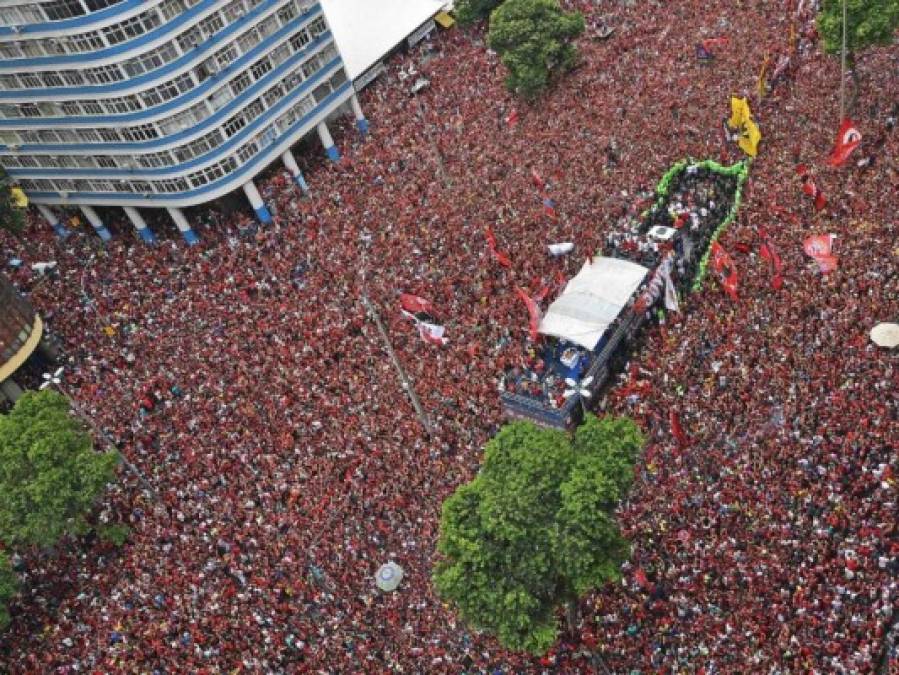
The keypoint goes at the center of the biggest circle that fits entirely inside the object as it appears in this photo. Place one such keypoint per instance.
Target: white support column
(95, 221)
(183, 226)
(262, 212)
(51, 218)
(140, 224)
(361, 122)
(290, 163)
(328, 142)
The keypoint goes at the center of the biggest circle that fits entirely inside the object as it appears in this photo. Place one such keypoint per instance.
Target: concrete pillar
(262, 212)
(51, 218)
(140, 224)
(95, 221)
(183, 226)
(328, 142)
(361, 122)
(290, 163)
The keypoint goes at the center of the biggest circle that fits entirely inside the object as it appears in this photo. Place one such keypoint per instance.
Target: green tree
(469, 11)
(8, 586)
(536, 529)
(50, 475)
(533, 39)
(868, 23)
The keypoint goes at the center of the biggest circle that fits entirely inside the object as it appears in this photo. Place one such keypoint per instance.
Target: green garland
(740, 170)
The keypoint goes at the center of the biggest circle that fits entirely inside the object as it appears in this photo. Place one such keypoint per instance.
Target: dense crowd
(246, 381)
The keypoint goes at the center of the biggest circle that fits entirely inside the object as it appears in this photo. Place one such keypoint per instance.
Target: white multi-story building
(161, 103)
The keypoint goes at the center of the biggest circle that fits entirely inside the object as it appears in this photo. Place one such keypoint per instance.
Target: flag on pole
(767, 252)
(848, 139)
(762, 86)
(498, 255)
(810, 188)
(432, 333)
(676, 429)
(739, 112)
(724, 268)
(533, 312)
(749, 138)
(414, 304)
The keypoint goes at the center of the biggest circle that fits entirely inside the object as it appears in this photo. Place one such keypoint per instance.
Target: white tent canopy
(592, 300)
(365, 30)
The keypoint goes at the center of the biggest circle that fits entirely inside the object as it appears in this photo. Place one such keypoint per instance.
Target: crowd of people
(246, 380)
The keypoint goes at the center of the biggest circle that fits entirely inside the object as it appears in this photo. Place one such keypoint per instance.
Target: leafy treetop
(536, 529)
(50, 475)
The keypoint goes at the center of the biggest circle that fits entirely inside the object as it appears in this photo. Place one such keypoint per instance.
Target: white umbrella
(53, 379)
(389, 576)
(561, 249)
(885, 335)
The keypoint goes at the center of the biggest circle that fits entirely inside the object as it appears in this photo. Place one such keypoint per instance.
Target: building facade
(161, 103)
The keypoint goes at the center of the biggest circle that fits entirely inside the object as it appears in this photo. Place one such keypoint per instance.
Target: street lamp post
(55, 380)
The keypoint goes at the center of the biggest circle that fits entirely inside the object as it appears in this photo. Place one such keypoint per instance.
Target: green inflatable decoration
(740, 170)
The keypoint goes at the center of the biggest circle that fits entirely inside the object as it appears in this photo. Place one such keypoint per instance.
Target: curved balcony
(177, 28)
(164, 75)
(227, 144)
(243, 169)
(208, 89)
(38, 20)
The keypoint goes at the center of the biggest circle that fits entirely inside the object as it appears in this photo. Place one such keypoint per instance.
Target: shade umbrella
(389, 576)
(885, 335)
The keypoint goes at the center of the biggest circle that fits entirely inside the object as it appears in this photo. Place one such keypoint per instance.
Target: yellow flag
(762, 86)
(739, 112)
(749, 138)
(19, 199)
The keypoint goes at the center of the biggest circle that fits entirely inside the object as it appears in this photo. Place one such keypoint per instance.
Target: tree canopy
(8, 587)
(536, 528)
(50, 474)
(533, 39)
(469, 11)
(869, 23)
(12, 217)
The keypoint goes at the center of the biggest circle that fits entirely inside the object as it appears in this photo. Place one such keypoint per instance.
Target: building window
(62, 9)
(300, 40)
(212, 24)
(260, 68)
(72, 77)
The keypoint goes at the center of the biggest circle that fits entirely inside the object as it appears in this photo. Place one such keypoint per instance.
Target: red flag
(848, 139)
(676, 429)
(766, 250)
(723, 266)
(533, 312)
(432, 333)
(641, 578)
(538, 181)
(820, 247)
(809, 187)
(414, 304)
(499, 256)
(512, 118)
